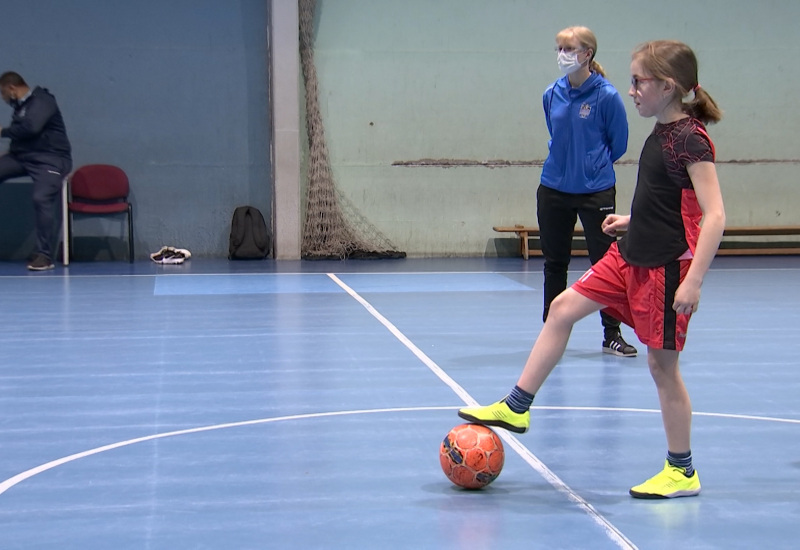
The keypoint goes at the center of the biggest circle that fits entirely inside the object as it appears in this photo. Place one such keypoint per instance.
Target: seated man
(39, 149)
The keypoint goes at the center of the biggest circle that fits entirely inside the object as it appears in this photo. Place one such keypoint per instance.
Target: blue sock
(681, 460)
(519, 400)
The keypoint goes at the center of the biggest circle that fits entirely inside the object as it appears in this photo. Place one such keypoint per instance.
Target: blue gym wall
(175, 92)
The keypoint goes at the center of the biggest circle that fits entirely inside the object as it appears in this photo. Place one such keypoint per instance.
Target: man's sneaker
(498, 414)
(668, 483)
(168, 256)
(616, 345)
(40, 262)
(173, 258)
(157, 256)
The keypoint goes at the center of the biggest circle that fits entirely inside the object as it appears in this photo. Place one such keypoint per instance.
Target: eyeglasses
(636, 80)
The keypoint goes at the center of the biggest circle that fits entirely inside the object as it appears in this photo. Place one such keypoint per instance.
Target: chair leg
(65, 222)
(130, 233)
(68, 238)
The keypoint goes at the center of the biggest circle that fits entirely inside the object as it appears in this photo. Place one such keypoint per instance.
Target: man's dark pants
(47, 173)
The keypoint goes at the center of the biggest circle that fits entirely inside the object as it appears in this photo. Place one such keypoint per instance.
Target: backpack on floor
(250, 239)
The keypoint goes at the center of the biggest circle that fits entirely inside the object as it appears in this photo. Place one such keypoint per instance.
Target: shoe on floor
(616, 345)
(40, 262)
(499, 415)
(170, 255)
(156, 256)
(668, 483)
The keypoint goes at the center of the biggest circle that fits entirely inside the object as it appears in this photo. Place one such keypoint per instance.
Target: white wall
(461, 80)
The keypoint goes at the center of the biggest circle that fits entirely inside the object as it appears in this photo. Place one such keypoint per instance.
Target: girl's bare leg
(676, 408)
(566, 310)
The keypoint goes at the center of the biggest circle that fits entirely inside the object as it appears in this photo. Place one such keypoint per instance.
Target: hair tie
(696, 87)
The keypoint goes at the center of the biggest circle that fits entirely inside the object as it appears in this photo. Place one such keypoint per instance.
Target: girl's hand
(614, 223)
(687, 298)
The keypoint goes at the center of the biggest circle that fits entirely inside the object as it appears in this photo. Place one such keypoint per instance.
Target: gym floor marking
(386, 287)
(612, 532)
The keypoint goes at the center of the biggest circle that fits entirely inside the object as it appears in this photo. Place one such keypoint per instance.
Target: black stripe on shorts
(672, 279)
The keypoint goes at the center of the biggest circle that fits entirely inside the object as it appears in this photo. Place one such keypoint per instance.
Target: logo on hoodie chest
(585, 110)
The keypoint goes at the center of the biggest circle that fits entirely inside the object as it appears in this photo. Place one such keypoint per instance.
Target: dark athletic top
(665, 214)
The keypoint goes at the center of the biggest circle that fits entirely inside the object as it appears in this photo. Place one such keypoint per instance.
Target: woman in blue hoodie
(588, 132)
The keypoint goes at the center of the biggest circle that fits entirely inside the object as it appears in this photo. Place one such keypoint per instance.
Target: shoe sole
(676, 494)
(42, 268)
(619, 353)
(495, 423)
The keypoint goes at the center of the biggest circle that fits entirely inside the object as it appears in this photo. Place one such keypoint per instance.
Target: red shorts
(640, 297)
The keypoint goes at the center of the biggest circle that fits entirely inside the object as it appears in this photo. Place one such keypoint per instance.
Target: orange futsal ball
(471, 456)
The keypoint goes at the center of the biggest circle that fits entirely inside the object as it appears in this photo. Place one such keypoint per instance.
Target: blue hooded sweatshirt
(588, 133)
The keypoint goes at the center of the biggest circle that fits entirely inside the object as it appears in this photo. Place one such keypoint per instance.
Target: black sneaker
(156, 256)
(173, 257)
(40, 262)
(170, 255)
(616, 345)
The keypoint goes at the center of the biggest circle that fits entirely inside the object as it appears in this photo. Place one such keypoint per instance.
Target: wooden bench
(728, 247)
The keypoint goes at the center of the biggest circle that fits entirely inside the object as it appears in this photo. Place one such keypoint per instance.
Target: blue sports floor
(300, 405)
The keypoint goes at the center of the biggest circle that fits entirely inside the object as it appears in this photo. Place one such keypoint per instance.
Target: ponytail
(703, 107)
(595, 67)
(675, 61)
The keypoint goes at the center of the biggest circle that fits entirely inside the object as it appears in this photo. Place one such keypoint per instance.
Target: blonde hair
(675, 61)
(587, 40)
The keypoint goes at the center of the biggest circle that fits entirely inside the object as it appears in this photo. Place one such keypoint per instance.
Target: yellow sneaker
(668, 483)
(499, 415)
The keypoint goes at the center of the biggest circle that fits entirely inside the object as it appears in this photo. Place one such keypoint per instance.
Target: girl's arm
(709, 196)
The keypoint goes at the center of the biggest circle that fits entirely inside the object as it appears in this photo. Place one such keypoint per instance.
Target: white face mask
(568, 62)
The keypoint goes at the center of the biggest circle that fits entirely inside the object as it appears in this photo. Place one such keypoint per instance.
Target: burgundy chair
(98, 190)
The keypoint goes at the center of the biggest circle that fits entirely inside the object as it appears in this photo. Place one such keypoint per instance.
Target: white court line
(611, 531)
(19, 478)
(526, 455)
(56, 275)
(694, 413)
(531, 459)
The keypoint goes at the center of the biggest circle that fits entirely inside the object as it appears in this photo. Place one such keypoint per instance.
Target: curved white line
(656, 411)
(19, 478)
(10, 482)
